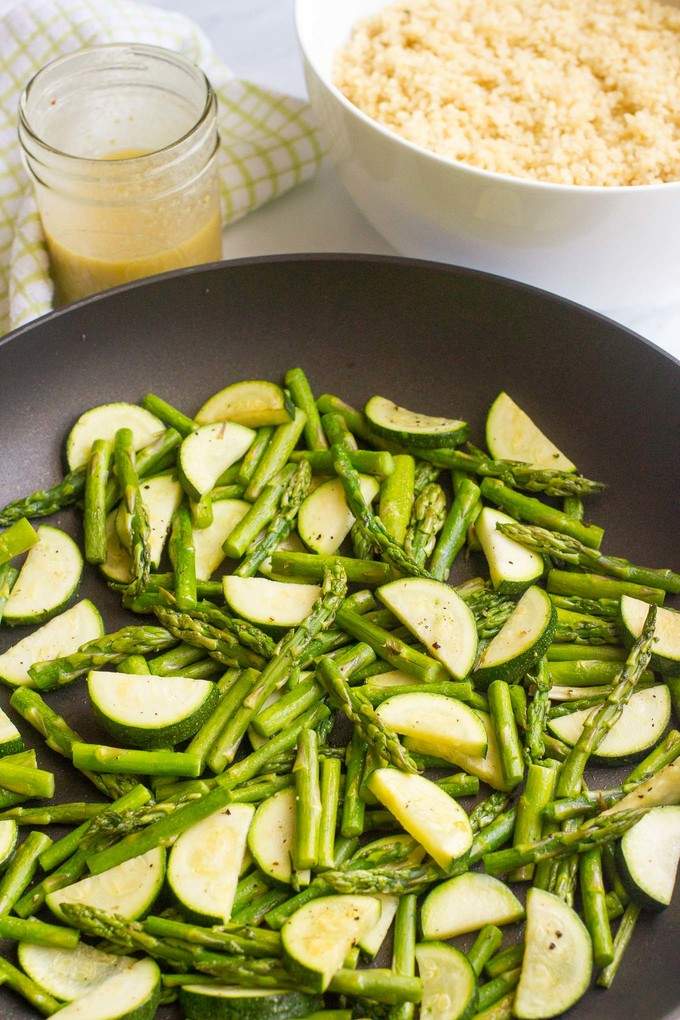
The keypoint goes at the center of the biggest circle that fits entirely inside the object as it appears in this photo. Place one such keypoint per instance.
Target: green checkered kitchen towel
(268, 141)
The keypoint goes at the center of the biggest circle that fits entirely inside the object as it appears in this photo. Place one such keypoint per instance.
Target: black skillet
(435, 337)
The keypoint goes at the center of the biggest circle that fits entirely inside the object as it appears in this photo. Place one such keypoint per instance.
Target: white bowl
(613, 248)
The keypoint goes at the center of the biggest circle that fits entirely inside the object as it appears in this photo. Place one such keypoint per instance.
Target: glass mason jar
(121, 144)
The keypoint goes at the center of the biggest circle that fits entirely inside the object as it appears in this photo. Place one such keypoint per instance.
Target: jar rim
(157, 52)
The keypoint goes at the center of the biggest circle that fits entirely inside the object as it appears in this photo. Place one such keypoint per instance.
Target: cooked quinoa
(569, 91)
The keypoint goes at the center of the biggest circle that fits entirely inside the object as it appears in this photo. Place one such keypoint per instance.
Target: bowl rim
(445, 161)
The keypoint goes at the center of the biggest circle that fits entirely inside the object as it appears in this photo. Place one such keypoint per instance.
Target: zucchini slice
(317, 937)
(438, 617)
(428, 814)
(443, 722)
(512, 435)
(522, 640)
(132, 994)
(208, 541)
(271, 835)
(117, 565)
(103, 422)
(9, 832)
(661, 789)
(413, 428)
(253, 402)
(325, 520)
(219, 1002)
(371, 942)
(648, 856)
(512, 567)
(488, 768)
(207, 453)
(68, 974)
(558, 958)
(449, 982)
(270, 603)
(205, 862)
(128, 889)
(47, 580)
(63, 635)
(466, 903)
(391, 678)
(150, 711)
(638, 728)
(11, 741)
(666, 644)
(161, 496)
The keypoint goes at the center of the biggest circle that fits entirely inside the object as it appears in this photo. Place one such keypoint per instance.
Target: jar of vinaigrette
(121, 144)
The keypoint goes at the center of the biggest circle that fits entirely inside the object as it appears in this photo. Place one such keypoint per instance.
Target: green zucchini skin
(198, 1004)
(448, 431)
(512, 670)
(627, 866)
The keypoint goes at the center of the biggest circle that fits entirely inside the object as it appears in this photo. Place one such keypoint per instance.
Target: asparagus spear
(427, 520)
(245, 942)
(586, 632)
(219, 644)
(594, 906)
(462, 514)
(506, 960)
(161, 762)
(21, 869)
(537, 792)
(18, 538)
(527, 508)
(484, 947)
(460, 689)
(594, 586)
(54, 814)
(276, 455)
(38, 933)
(397, 498)
(252, 457)
(245, 632)
(183, 558)
(506, 731)
(487, 810)
(174, 661)
(260, 515)
(168, 414)
(562, 547)
(281, 524)
(600, 721)
(377, 984)
(390, 648)
(29, 781)
(8, 576)
(61, 738)
(353, 807)
(562, 844)
(363, 716)
(135, 664)
(494, 990)
(608, 608)
(28, 989)
(368, 462)
(300, 390)
(537, 713)
(331, 783)
(312, 565)
(307, 802)
(138, 521)
(96, 480)
(109, 649)
(624, 934)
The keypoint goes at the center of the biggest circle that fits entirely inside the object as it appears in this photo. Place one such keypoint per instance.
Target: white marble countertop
(256, 38)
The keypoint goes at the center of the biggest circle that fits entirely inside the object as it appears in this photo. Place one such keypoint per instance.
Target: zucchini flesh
(666, 644)
(663, 788)
(648, 857)
(10, 738)
(47, 580)
(219, 1002)
(117, 565)
(390, 678)
(428, 814)
(161, 496)
(512, 435)
(411, 427)
(487, 768)
(512, 567)
(128, 889)
(133, 994)
(252, 402)
(205, 862)
(443, 722)
(208, 541)
(272, 833)
(70, 973)
(207, 453)
(103, 422)
(63, 635)
(449, 982)
(317, 937)
(522, 640)
(639, 727)
(325, 520)
(371, 942)
(438, 617)
(270, 603)
(150, 711)
(468, 903)
(9, 832)
(558, 958)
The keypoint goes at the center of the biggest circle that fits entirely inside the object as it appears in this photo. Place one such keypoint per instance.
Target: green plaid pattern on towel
(269, 143)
